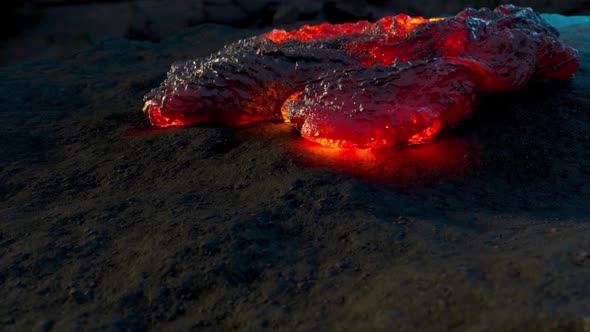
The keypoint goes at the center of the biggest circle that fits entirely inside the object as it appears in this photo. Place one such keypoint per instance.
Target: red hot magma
(400, 80)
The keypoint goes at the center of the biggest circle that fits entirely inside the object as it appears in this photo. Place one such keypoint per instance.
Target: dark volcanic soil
(108, 224)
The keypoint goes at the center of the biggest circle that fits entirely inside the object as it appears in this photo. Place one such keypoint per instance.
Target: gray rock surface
(561, 21)
(107, 224)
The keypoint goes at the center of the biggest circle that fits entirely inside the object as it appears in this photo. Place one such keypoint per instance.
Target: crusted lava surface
(400, 80)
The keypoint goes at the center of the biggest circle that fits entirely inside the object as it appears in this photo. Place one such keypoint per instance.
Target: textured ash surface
(107, 224)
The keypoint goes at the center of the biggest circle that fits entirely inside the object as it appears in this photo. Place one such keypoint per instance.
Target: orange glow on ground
(445, 158)
(333, 143)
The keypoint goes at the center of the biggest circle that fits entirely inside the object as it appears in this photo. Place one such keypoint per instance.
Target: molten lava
(400, 80)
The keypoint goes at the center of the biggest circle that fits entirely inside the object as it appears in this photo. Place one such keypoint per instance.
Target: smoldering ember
(332, 165)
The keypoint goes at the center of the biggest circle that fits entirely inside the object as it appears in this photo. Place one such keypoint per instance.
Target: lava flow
(400, 80)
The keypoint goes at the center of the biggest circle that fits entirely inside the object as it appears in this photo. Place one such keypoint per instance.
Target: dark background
(42, 28)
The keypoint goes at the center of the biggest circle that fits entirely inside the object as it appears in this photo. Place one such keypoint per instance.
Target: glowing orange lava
(426, 135)
(163, 121)
(398, 26)
(399, 81)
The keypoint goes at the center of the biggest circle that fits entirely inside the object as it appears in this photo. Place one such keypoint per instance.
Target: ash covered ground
(108, 224)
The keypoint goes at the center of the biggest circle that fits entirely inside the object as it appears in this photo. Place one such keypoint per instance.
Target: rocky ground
(49, 28)
(106, 223)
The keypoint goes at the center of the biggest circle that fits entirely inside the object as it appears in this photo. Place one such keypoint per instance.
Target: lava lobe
(400, 80)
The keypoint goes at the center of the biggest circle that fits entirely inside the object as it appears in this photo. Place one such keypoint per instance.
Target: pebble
(77, 295)
(343, 264)
(44, 325)
(581, 257)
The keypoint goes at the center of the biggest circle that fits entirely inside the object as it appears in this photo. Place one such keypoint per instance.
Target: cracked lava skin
(398, 81)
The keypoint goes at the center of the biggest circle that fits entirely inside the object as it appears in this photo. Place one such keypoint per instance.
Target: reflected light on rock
(443, 159)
